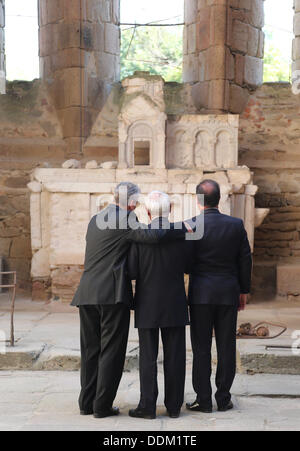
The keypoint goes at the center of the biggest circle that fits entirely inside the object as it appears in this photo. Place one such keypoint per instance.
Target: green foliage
(154, 49)
(277, 66)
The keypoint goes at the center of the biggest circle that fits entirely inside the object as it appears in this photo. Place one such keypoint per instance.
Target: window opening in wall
(278, 40)
(157, 48)
(21, 39)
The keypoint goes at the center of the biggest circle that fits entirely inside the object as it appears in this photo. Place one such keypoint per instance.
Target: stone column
(2, 48)
(223, 52)
(79, 60)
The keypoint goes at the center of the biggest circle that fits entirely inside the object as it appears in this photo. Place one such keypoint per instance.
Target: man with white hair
(104, 297)
(160, 303)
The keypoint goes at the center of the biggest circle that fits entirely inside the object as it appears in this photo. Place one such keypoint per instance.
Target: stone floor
(47, 338)
(48, 401)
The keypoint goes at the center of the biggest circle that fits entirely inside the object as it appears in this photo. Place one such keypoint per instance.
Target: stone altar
(157, 151)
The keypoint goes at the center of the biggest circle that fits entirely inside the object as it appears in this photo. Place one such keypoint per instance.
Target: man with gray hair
(104, 297)
(160, 303)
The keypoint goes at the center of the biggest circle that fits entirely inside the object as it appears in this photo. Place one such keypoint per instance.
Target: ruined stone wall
(30, 137)
(269, 144)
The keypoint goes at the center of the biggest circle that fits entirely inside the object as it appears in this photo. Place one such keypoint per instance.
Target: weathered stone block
(253, 71)
(253, 41)
(218, 94)
(215, 63)
(40, 267)
(238, 99)
(191, 38)
(112, 38)
(240, 33)
(219, 23)
(190, 69)
(71, 164)
(91, 164)
(297, 24)
(65, 281)
(288, 279)
(69, 219)
(107, 66)
(297, 5)
(256, 15)
(203, 29)
(190, 11)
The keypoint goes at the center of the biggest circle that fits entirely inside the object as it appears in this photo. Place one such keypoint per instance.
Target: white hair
(158, 204)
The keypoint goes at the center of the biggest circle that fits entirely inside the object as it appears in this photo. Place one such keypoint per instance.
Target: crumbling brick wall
(269, 144)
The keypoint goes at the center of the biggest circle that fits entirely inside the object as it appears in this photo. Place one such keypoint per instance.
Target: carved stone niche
(142, 122)
(206, 142)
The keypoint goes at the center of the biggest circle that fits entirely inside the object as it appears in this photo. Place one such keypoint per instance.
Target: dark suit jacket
(105, 279)
(223, 261)
(160, 299)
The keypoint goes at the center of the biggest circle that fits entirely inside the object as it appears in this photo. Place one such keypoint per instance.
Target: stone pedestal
(64, 200)
(156, 151)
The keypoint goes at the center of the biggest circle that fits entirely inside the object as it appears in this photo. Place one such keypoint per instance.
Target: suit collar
(211, 211)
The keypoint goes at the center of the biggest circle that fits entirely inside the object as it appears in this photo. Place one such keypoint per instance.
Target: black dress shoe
(229, 406)
(113, 411)
(195, 407)
(86, 412)
(173, 414)
(139, 413)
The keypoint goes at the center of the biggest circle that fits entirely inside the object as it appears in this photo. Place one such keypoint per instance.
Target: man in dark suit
(104, 297)
(160, 303)
(219, 285)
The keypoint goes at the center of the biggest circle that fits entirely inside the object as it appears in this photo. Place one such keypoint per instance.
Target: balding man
(219, 285)
(160, 304)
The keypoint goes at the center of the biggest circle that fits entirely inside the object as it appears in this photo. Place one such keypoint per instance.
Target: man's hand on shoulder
(188, 227)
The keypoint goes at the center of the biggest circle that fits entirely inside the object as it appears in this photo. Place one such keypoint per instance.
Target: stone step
(49, 358)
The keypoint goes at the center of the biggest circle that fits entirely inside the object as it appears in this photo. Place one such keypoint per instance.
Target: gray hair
(158, 204)
(126, 194)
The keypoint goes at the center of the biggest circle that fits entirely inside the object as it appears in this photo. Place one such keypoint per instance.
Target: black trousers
(205, 319)
(103, 340)
(173, 339)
